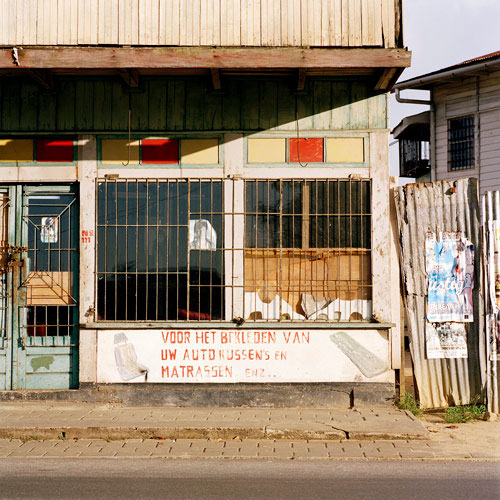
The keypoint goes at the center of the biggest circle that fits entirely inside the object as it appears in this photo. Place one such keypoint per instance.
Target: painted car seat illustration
(126, 359)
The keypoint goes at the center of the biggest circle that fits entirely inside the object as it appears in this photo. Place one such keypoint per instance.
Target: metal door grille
(233, 250)
(4, 295)
(50, 282)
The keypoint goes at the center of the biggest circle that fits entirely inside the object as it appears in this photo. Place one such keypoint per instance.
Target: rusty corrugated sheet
(435, 207)
(491, 212)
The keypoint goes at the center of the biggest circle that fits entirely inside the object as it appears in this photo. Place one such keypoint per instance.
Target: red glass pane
(311, 150)
(50, 150)
(160, 151)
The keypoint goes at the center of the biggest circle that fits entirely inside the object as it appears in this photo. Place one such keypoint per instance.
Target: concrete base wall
(333, 395)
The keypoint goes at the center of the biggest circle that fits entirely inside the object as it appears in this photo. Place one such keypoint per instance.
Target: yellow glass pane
(16, 150)
(345, 150)
(116, 152)
(199, 151)
(266, 150)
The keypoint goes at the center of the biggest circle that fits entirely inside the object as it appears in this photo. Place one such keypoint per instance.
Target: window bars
(233, 250)
(461, 143)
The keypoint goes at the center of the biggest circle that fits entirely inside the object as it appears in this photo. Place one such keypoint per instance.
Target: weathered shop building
(196, 194)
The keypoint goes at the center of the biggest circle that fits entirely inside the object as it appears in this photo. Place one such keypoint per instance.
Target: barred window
(233, 250)
(461, 143)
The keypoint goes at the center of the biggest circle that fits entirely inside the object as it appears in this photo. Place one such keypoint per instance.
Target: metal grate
(461, 143)
(50, 283)
(233, 250)
(4, 296)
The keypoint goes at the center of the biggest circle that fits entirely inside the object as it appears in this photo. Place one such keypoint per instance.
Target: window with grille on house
(461, 143)
(233, 250)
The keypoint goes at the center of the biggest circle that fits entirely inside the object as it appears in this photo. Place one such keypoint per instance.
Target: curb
(226, 433)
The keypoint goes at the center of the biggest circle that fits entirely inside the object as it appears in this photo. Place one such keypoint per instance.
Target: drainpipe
(478, 130)
(410, 101)
(433, 137)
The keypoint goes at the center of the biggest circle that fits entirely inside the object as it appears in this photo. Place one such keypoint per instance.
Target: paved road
(73, 479)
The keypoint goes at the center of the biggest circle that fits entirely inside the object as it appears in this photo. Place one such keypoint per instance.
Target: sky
(441, 33)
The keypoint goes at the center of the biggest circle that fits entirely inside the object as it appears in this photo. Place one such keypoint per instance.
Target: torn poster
(449, 262)
(202, 235)
(495, 258)
(446, 340)
(49, 229)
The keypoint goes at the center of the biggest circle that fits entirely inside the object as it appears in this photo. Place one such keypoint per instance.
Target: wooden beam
(130, 77)
(385, 78)
(43, 77)
(203, 57)
(301, 80)
(216, 79)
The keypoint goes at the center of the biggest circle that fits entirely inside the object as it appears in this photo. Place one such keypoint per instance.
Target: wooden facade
(235, 86)
(474, 96)
(101, 105)
(230, 23)
(468, 91)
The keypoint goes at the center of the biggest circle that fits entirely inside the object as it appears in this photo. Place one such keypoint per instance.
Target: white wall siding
(462, 98)
(490, 149)
(322, 23)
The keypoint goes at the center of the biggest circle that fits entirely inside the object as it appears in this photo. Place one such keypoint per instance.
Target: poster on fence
(449, 262)
(495, 232)
(446, 340)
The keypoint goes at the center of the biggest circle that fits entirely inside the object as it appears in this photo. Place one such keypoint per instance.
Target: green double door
(38, 287)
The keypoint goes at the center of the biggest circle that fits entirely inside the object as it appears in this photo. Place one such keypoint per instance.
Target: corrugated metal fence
(442, 206)
(491, 224)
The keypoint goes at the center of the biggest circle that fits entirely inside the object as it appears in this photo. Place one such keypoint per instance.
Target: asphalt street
(250, 479)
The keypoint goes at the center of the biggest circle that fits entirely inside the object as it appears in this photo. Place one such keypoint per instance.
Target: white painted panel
(345, 23)
(108, 25)
(128, 15)
(26, 22)
(184, 36)
(336, 25)
(67, 22)
(271, 23)
(388, 22)
(311, 22)
(355, 24)
(250, 23)
(490, 150)
(252, 356)
(88, 20)
(290, 23)
(198, 22)
(9, 22)
(46, 22)
(189, 22)
(230, 22)
(148, 22)
(210, 28)
(169, 13)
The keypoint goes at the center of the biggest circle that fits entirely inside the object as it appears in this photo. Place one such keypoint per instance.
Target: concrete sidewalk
(88, 430)
(52, 420)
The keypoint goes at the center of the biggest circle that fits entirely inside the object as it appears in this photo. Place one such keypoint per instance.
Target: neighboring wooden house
(463, 124)
(197, 191)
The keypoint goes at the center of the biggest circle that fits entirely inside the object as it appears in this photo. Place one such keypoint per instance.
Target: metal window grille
(413, 157)
(461, 143)
(233, 250)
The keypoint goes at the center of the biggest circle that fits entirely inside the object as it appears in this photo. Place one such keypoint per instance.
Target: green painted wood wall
(173, 104)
